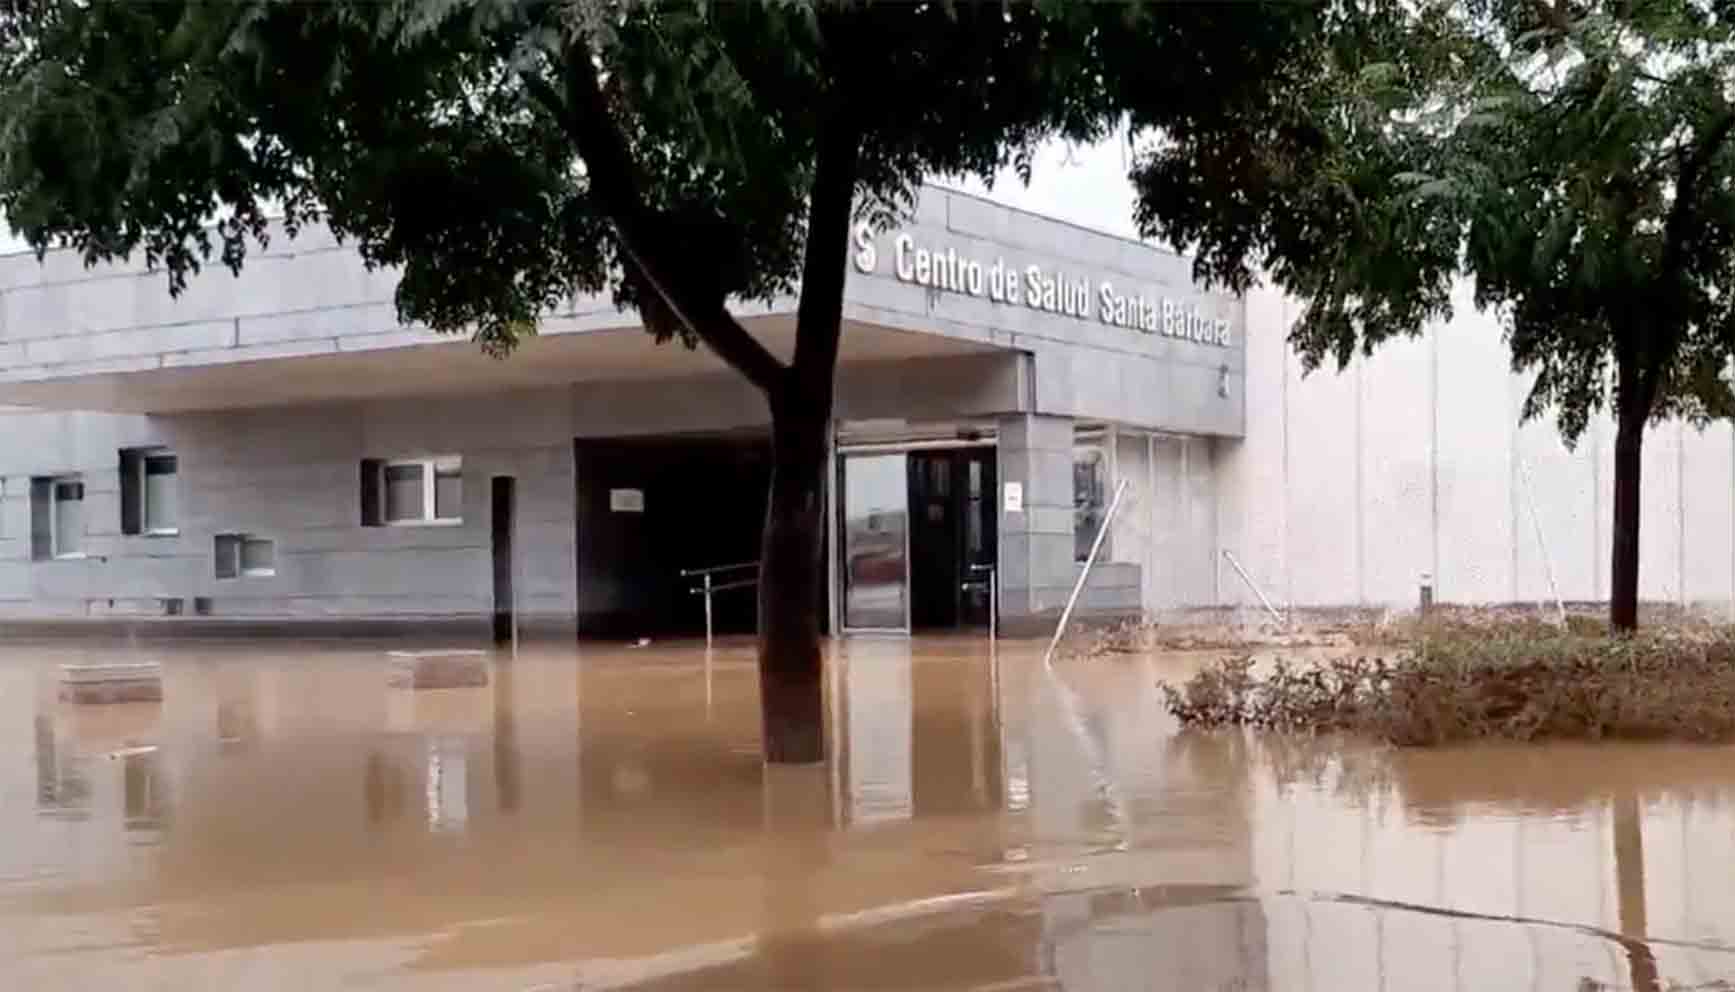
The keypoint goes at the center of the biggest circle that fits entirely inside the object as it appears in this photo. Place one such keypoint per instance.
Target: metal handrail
(687, 573)
(989, 574)
(1084, 573)
(1230, 557)
(720, 586)
(708, 586)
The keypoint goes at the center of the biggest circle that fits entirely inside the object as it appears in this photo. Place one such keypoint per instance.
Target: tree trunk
(1631, 414)
(790, 573)
(791, 566)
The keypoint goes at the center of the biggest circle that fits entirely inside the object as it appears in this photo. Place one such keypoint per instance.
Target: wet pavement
(599, 818)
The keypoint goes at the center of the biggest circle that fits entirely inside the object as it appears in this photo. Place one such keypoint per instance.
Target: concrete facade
(1331, 490)
(272, 387)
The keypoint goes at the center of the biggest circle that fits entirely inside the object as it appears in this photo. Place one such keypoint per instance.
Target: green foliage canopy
(437, 134)
(1571, 156)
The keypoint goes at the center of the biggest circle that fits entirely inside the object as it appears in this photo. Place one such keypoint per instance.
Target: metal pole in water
(1084, 573)
(707, 609)
(993, 604)
(512, 565)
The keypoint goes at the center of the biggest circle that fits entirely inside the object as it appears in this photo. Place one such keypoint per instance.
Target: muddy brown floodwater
(599, 818)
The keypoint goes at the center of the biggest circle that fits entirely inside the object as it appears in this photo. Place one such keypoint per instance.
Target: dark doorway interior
(646, 510)
(502, 501)
(952, 536)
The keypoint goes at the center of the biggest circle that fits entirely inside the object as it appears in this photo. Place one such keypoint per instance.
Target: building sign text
(1039, 288)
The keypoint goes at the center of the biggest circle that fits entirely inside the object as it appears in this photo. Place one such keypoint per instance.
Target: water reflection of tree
(1448, 786)
(1629, 847)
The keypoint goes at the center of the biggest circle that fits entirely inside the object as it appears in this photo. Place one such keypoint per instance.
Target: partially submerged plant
(1519, 682)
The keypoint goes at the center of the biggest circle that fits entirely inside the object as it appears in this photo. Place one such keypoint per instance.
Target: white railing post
(707, 594)
(1541, 538)
(708, 586)
(1230, 557)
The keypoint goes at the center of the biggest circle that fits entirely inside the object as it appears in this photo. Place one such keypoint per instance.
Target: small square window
(258, 556)
(418, 491)
(244, 555)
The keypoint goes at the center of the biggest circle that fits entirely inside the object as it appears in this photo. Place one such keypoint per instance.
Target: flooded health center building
(277, 448)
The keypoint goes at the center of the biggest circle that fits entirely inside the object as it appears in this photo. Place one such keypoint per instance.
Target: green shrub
(1522, 681)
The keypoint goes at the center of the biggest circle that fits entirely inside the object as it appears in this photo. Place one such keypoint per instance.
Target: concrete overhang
(411, 363)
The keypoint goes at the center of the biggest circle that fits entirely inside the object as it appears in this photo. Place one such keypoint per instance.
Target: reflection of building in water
(1145, 842)
(145, 788)
(955, 731)
(237, 724)
(431, 772)
(386, 787)
(62, 788)
(1176, 938)
(1540, 867)
(447, 784)
(921, 736)
(876, 760)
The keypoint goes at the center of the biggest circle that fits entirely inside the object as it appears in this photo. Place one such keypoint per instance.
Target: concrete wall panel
(1557, 539)
(1709, 552)
(1394, 518)
(1323, 493)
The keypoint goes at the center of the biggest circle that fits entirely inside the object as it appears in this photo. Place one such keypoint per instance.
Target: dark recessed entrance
(649, 509)
(952, 537)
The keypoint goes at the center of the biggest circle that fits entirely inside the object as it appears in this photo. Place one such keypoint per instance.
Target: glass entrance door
(876, 542)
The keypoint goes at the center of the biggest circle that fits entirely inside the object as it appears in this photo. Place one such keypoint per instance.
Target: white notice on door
(626, 500)
(1015, 497)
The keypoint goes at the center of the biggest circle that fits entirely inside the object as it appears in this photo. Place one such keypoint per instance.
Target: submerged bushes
(1518, 682)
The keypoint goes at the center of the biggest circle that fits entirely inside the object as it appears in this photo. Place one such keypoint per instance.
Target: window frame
(1092, 448)
(54, 502)
(239, 541)
(146, 456)
(430, 466)
(241, 557)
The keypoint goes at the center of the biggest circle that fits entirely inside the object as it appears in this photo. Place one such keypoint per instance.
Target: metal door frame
(837, 582)
(840, 583)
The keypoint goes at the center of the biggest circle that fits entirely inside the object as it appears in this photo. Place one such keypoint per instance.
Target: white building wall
(1350, 486)
(1167, 524)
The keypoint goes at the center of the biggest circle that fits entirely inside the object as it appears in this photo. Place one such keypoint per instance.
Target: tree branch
(1554, 15)
(1655, 352)
(1678, 227)
(585, 117)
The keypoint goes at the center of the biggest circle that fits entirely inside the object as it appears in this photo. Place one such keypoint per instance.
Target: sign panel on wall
(1039, 288)
(1014, 499)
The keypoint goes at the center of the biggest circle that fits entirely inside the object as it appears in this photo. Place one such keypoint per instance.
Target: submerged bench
(451, 669)
(114, 683)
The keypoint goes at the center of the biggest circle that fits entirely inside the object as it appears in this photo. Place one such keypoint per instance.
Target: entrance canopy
(410, 364)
